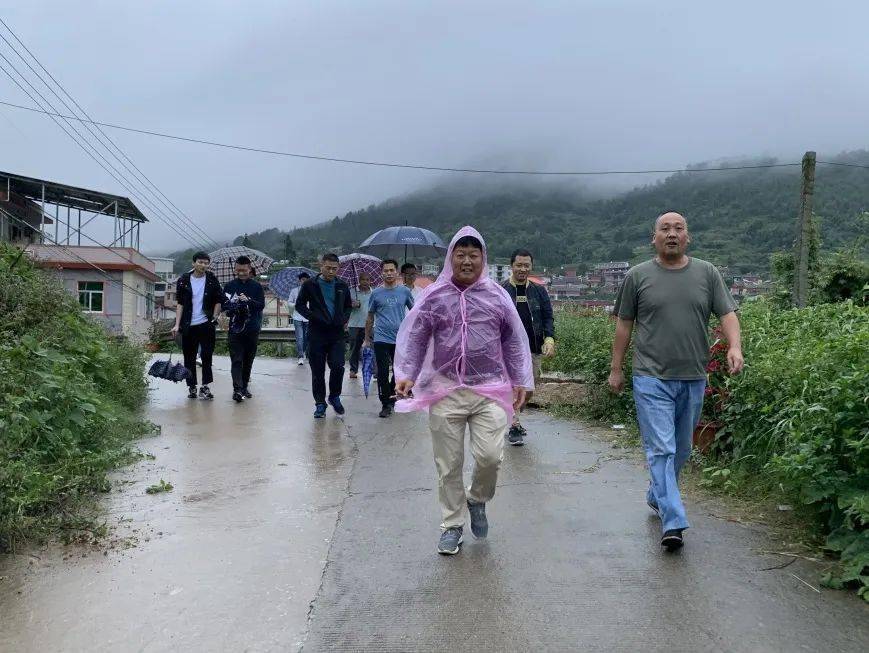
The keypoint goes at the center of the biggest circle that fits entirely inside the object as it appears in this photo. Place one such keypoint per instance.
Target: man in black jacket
(326, 303)
(535, 309)
(199, 295)
(244, 301)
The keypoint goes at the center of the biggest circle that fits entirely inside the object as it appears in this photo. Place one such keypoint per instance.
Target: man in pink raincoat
(463, 354)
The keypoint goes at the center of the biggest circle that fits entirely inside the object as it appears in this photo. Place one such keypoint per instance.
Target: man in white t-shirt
(199, 295)
(300, 323)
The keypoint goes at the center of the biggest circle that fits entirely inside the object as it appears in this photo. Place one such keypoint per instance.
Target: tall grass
(69, 400)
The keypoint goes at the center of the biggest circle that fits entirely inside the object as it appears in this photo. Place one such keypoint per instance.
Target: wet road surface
(284, 533)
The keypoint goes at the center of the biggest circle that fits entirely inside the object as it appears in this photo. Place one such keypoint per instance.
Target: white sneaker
(301, 361)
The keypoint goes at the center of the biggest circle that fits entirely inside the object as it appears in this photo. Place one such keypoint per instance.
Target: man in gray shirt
(670, 299)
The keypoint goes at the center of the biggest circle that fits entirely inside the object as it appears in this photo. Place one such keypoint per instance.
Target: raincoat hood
(463, 337)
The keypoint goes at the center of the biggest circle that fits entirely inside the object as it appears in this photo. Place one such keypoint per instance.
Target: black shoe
(672, 540)
(653, 507)
(479, 523)
(386, 411)
(514, 436)
(320, 411)
(191, 394)
(451, 541)
(237, 397)
(205, 393)
(246, 394)
(337, 406)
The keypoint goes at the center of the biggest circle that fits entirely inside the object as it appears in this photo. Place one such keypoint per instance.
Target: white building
(165, 269)
(499, 271)
(114, 285)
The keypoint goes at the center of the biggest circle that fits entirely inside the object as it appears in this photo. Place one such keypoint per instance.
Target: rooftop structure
(29, 205)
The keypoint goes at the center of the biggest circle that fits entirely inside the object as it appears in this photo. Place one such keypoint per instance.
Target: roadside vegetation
(70, 396)
(794, 426)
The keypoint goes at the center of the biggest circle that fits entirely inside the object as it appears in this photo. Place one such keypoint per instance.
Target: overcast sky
(578, 84)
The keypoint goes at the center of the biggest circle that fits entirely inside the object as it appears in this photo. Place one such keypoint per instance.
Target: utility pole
(804, 232)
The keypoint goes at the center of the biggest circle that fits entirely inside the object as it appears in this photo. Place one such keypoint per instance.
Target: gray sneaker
(479, 523)
(451, 541)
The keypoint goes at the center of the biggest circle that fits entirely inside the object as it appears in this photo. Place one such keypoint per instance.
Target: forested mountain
(736, 218)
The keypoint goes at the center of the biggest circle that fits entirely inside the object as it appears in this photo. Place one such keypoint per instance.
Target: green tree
(289, 250)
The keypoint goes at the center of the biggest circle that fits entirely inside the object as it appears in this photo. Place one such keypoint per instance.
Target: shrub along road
(282, 533)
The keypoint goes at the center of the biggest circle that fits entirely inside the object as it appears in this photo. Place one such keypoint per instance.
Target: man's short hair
(201, 256)
(469, 241)
(407, 266)
(242, 260)
(330, 256)
(520, 252)
(303, 275)
(388, 261)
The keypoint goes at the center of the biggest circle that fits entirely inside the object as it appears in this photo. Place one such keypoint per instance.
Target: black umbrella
(404, 242)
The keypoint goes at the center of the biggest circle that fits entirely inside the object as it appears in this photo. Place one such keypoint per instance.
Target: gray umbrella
(404, 242)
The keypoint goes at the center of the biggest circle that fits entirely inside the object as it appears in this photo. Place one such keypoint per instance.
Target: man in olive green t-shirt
(669, 299)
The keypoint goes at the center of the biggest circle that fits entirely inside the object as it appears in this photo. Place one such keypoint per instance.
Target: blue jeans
(667, 412)
(301, 338)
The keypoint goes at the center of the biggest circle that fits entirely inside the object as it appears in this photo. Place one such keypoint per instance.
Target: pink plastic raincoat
(463, 338)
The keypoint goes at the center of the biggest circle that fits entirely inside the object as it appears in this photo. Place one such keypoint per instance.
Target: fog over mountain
(579, 85)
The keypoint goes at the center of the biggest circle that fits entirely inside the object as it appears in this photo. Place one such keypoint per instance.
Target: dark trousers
(357, 335)
(198, 338)
(384, 353)
(242, 351)
(326, 347)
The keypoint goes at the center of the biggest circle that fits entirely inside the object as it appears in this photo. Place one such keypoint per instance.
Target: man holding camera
(244, 301)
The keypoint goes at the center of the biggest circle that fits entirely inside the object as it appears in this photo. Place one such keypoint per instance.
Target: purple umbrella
(367, 368)
(352, 265)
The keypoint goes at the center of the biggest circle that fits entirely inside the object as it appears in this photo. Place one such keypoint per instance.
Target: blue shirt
(389, 306)
(328, 290)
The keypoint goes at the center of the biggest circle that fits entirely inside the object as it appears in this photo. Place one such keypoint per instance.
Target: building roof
(85, 258)
(71, 196)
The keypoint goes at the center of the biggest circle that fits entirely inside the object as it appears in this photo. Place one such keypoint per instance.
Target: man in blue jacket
(244, 301)
(326, 303)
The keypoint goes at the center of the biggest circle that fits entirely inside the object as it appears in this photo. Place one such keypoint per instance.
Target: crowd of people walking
(468, 350)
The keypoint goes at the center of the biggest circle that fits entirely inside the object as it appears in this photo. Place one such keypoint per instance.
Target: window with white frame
(90, 296)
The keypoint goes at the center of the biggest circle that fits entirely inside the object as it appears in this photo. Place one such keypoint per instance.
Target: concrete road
(283, 533)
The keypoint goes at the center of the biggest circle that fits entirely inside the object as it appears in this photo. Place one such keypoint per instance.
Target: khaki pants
(487, 423)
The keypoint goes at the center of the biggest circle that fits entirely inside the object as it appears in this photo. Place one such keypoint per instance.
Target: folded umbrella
(367, 368)
(166, 370)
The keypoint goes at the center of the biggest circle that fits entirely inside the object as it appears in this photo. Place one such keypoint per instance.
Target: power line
(183, 216)
(410, 166)
(846, 165)
(413, 166)
(81, 141)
